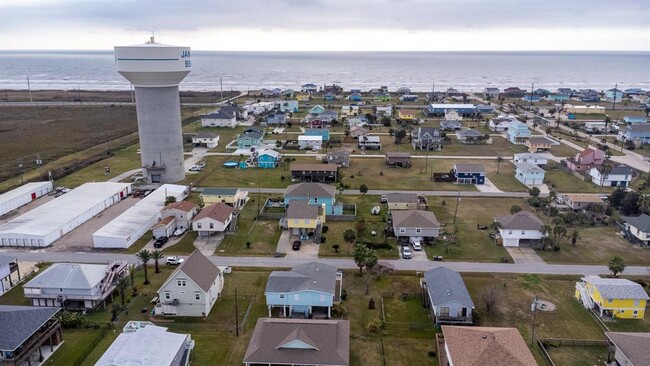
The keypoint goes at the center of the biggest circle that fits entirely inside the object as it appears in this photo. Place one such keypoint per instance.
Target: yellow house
(233, 197)
(613, 297)
(303, 218)
(539, 143)
(405, 115)
(302, 97)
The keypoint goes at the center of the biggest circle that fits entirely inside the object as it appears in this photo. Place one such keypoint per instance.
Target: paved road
(402, 265)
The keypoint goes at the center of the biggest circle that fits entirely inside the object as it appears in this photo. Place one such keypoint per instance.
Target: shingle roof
(221, 114)
(617, 288)
(634, 345)
(298, 341)
(469, 168)
(641, 222)
(164, 222)
(218, 211)
(205, 135)
(402, 198)
(199, 269)
(487, 346)
(522, 220)
(253, 134)
(616, 170)
(339, 153)
(310, 190)
(70, 276)
(540, 140)
(314, 167)
(639, 127)
(445, 285)
(220, 191)
(309, 276)
(18, 323)
(301, 210)
(468, 133)
(185, 206)
(414, 218)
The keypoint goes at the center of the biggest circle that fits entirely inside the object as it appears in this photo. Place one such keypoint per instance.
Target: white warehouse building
(130, 226)
(23, 195)
(45, 224)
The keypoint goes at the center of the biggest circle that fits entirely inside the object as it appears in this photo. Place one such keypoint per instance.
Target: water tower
(155, 70)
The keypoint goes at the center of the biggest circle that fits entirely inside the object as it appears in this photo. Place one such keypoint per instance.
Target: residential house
(406, 115)
(426, 138)
(542, 92)
(408, 98)
(446, 296)
(276, 119)
(406, 201)
(328, 116)
(307, 289)
(491, 92)
(329, 97)
(637, 227)
(206, 139)
(349, 110)
(233, 197)
(369, 142)
(354, 97)
(240, 113)
(566, 91)
(9, 273)
(539, 143)
(557, 97)
(316, 110)
(289, 106)
(468, 173)
(310, 142)
(358, 131)
(251, 138)
(584, 109)
(220, 118)
(590, 98)
(74, 286)
(164, 228)
(531, 98)
(333, 89)
(182, 211)
(143, 343)
(635, 119)
(324, 133)
(403, 90)
(382, 97)
(586, 159)
(630, 348)
(512, 92)
(360, 120)
(638, 133)
(518, 132)
(355, 90)
(213, 219)
(384, 110)
(520, 228)
(277, 92)
(598, 127)
(529, 174)
(259, 108)
(415, 225)
(339, 157)
(451, 92)
(613, 95)
(27, 333)
(484, 108)
(302, 97)
(487, 346)
(323, 173)
(316, 194)
(288, 93)
(450, 125)
(501, 123)
(470, 136)
(299, 342)
(605, 176)
(267, 158)
(531, 158)
(397, 159)
(309, 88)
(192, 289)
(612, 297)
(438, 110)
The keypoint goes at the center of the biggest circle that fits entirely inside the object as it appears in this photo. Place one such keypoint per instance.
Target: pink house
(585, 160)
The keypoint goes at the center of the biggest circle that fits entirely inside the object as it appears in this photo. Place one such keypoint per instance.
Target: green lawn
(578, 356)
(566, 182)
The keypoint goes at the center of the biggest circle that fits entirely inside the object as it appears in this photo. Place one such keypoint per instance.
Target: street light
(533, 308)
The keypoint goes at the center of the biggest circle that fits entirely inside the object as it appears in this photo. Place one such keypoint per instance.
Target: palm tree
(558, 231)
(575, 236)
(144, 256)
(121, 285)
(544, 230)
(132, 269)
(156, 255)
(499, 160)
(495, 226)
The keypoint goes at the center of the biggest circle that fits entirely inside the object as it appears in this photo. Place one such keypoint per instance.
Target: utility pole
(29, 89)
(236, 314)
(530, 102)
(533, 308)
(20, 168)
(221, 84)
(456, 210)
(615, 93)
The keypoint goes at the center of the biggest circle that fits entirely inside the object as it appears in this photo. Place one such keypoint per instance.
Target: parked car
(175, 260)
(416, 245)
(137, 176)
(296, 245)
(406, 252)
(383, 199)
(179, 232)
(160, 242)
(198, 167)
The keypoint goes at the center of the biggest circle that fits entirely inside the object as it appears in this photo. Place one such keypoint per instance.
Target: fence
(90, 346)
(543, 343)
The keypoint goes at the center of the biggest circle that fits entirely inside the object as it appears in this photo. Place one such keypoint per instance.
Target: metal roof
(70, 276)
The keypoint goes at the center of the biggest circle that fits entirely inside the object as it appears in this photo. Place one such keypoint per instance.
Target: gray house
(630, 348)
(26, 333)
(445, 294)
(276, 118)
(339, 157)
(426, 138)
(415, 224)
(450, 125)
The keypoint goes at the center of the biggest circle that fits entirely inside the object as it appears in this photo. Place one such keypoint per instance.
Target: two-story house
(630, 348)
(446, 296)
(529, 174)
(415, 225)
(267, 158)
(618, 176)
(471, 137)
(9, 273)
(384, 110)
(339, 157)
(276, 119)
(349, 110)
(213, 219)
(539, 143)
(290, 106)
(406, 115)
(612, 297)
(586, 159)
(500, 123)
(638, 133)
(310, 289)
(234, 197)
(28, 334)
(520, 228)
(530, 158)
(220, 118)
(206, 139)
(323, 173)
(316, 194)
(426, 138)
(491, 92)
(310, 142)
(182, 211)
(518, 132)
(309, 88)
(397, 159)
(304, 220)
(468, 173)
(251, 138)
(369, 142)
(613, 95)
(192, 289)
(324, 133)
(581, 201)
(637, 227)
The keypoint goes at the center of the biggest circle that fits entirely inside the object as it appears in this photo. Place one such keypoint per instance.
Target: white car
(179, 232)
(175, 260)
(416, 245)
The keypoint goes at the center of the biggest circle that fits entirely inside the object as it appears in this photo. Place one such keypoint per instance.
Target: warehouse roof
(26, 188)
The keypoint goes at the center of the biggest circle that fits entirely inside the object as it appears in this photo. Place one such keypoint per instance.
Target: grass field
(565, 182)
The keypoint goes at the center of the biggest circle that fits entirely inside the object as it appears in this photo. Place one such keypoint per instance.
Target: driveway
(284, 243)
(308, 250)
(524, 255)
(207, 245)
(487, 187)
(198, 153)
(172, 240)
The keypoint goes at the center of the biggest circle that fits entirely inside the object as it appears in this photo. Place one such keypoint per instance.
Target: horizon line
(347, 51)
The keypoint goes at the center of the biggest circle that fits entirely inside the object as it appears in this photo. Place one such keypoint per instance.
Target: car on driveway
(174, 261)
(296, 245)
(406, 252)
(160, 242)
(416, 245)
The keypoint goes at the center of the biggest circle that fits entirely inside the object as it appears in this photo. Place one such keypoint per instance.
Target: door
(33, 196)
(463, 312)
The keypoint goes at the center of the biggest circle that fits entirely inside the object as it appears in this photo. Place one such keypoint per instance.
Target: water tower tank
(155, 70)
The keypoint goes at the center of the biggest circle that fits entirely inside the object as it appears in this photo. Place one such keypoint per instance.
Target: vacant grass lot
(122, 161)
(565, 182)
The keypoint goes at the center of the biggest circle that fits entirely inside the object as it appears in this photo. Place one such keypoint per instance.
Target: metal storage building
(23, 195)
(45, 224)
(130, 226)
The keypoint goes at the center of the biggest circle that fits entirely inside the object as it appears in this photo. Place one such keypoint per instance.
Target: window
(282, 296)
(610, 300)
(402, 230)
(198, 225)
(181, 292)
(418, 231)
(211, 225)
(307, 221)
(296, 297)
(509, 231)
(168, 295)
(635, 313)
(315, 199)
(181, 283)
(295, 221)
(197, 296)
(523, 232)
(444, 311)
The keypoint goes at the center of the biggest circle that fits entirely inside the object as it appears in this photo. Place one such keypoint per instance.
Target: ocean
(467, 71)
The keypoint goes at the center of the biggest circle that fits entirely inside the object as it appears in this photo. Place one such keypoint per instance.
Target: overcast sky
(345, 25)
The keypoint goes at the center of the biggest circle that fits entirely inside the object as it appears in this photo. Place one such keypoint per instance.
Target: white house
(206, 139)
(259, 108)
(164, 228)
(349, 110)
(212, 219)
(310, 142)
(529, 174)
(500, 123)
(192, 289)
(618, 176)
(9, 273)
(522, 226)
(219, 118)
(638, 226)
(531, 158)
(385, 110)
(182, 211)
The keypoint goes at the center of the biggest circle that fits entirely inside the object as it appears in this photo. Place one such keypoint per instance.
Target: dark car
(160, 242)
(296, 245)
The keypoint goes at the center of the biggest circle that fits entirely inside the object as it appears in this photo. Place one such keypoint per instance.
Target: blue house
(635, 119)
(322, 132)
(465, 110)
(329, 97)
(531, 98)
(557, 97)
(289, 106)
(317, 194)
(469, 173)
(447, 297)
(251, 138)
(316, 110)
(639, 132)
(613, 95)
(590, 98)
(358, 91)
(268, 158)
(529, 174)
(518, 132)
(484, 108)
(355, 97)
(277, 118)
(308, 289)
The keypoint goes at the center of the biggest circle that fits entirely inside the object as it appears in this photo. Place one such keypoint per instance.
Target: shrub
(339, 311)
(432, 353)
(373, 245)
(344, 295)
(374, 326)
(70, 319)
(325, 229)
(322, 239)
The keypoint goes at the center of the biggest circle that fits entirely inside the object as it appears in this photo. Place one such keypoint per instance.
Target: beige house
(182, 211)
(233, 197)
(406, 201)
(485, 346)
(581, 201)
(192, 289)
(213, 219)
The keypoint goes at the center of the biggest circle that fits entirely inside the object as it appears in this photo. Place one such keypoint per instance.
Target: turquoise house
(613, 95)
(518, 132)
(316, 110)
(289, 106)
(557, 97)
(268, 159)
(354, 97)
(329, 97)
(317, 194)
(322, 132)
(308, 289)
(251, 138)
(635, 119)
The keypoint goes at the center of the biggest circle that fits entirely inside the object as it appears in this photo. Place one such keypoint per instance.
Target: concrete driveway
(172, 240)
(308, 250)
(524, 255)
(208, 244)
(487, 187)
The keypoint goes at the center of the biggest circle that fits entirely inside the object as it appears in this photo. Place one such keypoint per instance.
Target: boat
(230, 164)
